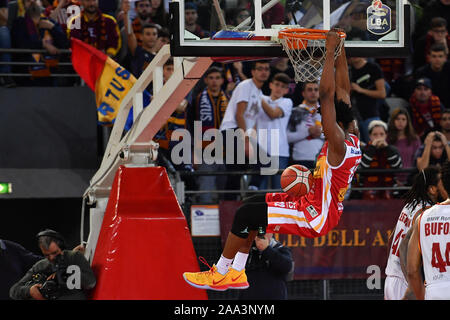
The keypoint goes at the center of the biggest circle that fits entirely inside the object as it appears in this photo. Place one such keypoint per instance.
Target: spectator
(141, 55)
(283, 65)
(209, 108)
(438, 71)
(190, 21)
(445, 123)
(277, 111)
(269, 266)
(163, 38)
(5, 43)
(34, 31)
(158, 13)
(97, 29)
(242, 112)
(425, 108)
(434, 151)
(15, 261)
(437, 34)
(241, 15)
(143, 9)
(368, 86)
(305, 127)
(378, 154)
(52, 246)
(401, 135)
(437, 8)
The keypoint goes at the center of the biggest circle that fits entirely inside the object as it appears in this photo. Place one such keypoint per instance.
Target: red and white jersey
(331, 183)
(316, 213)
(404, 223)
(434, 244)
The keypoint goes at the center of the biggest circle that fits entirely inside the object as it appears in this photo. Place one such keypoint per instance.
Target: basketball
(296, 180)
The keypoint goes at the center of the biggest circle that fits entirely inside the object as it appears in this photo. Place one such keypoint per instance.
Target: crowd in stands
(262, 94)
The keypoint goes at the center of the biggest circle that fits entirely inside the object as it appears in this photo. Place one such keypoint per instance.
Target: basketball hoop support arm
(136, 147)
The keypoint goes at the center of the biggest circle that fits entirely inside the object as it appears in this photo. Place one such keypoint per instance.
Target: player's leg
(229, 271)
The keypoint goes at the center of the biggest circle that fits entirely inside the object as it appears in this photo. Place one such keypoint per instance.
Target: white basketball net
(307, 63)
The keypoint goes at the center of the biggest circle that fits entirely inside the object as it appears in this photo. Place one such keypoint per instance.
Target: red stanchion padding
(144, 244)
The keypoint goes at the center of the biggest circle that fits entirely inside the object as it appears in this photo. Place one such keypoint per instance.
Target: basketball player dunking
(317, 212)
(430, 246)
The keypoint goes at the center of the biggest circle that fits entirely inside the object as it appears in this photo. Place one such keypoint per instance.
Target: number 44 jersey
(434, 244)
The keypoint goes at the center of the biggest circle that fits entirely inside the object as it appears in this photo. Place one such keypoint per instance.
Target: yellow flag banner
(110, 81)
(112, 86)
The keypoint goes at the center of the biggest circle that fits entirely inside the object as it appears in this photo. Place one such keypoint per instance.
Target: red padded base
(144, 245)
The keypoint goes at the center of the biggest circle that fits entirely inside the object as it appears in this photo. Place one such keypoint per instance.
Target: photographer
(52, 278)
(269, 266)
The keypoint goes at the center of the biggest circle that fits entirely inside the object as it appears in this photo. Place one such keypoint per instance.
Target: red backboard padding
(144, 244)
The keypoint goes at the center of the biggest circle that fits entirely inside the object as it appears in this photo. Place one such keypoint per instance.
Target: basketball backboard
(374, 28)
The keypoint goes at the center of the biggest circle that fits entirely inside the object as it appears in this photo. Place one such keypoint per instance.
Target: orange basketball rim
(297, 38)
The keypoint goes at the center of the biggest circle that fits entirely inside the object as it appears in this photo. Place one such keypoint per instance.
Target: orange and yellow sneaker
(210, 279)
(213, 280)
(236, 279)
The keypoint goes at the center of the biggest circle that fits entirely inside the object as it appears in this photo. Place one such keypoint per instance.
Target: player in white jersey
(423, 194)
(430, 246)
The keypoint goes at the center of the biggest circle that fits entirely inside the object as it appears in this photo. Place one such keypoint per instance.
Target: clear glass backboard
(374, 28)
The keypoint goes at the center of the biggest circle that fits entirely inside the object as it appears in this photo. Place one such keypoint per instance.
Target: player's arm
(343, 86)
(272, 113)
(403, 252)
(414, 264)
(403, 247)
(332, 131)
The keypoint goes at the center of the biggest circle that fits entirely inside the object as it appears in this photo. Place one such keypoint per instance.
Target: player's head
(445, 172)
(427, 187)
(345, 117)
(279, 86)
